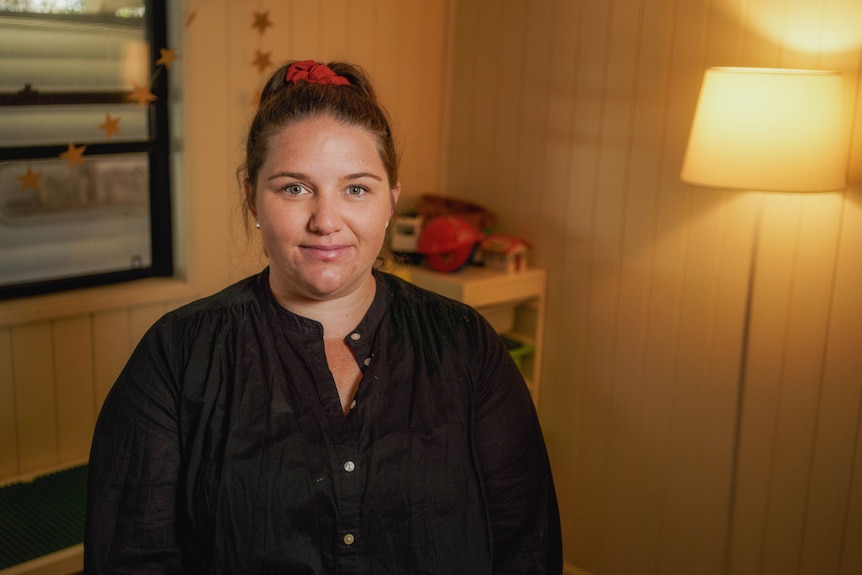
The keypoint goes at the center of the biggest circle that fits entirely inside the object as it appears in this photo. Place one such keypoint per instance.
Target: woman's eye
(355, 190)
(294, 189)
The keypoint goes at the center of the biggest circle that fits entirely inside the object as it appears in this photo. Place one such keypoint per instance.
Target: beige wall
(568, 118)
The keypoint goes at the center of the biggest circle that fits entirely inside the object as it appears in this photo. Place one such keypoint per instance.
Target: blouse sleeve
(515, 468)
(133, 471)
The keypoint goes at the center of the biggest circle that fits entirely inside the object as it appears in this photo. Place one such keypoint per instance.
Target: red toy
(448, 243)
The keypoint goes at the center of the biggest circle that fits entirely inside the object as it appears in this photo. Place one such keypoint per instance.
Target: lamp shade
(768, 129)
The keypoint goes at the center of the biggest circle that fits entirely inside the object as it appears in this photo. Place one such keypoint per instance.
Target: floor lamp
(765, 129)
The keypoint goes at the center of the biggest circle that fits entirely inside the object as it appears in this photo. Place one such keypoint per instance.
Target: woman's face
(323, 203)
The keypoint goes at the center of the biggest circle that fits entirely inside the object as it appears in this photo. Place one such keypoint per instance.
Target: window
(84, 180)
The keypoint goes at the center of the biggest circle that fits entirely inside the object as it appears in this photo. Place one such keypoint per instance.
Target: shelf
(513, 303)
(479, 287)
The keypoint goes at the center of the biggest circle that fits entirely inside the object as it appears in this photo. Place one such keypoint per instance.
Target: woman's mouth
(325, 253)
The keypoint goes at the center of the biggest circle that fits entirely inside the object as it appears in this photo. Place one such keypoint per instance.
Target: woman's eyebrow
(360, 175)
(293, 175)
(301, 176)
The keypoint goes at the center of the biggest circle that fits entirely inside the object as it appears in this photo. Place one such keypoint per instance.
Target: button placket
(349, 485)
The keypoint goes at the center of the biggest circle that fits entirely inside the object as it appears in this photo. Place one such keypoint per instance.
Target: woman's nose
(325, 217)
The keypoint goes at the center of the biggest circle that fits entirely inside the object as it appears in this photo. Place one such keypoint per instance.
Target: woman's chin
(330, 284)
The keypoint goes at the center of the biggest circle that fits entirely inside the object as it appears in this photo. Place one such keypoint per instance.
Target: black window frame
(156, 146)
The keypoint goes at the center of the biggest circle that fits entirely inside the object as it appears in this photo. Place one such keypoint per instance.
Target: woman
(322, 416)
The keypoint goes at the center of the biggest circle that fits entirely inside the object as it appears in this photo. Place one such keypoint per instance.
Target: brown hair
(282, 103)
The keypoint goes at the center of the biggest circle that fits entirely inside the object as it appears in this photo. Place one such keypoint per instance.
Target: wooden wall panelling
(335, 28)
(669, 471)
(244, 84)
(35, 399)
(554, 173)
(831, 540)
(833, 526)
(111, 349)
(816, 241)
(635, 338)
(360, 27)
(423, 107)
(757, 48)
(530, 147)
(635, 470)
(75, 391)
(611, 327)
(494, 114)
(722, 29)
(763, 379)
(498, 127)
(388, 17)
(651, 274)
(608, 444)
(461, 136)
(690, 536)
(420, 54)
(851, 549)
(715, 459)
(582, 498)
(208, 166)
(304, 27)
(8, 417)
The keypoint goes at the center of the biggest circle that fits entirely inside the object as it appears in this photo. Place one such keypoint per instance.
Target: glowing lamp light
(768, 129)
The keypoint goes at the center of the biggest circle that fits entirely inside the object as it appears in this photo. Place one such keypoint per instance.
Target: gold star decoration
(168, 57)
(74, 154)
(142, 94)
(29, 179)
(261, 21)
(110, 125)
(261, 60)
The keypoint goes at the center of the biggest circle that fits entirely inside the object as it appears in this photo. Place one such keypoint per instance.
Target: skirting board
(569, 569)
(63, 562)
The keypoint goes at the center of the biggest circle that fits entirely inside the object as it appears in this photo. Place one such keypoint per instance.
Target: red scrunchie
(313, 73)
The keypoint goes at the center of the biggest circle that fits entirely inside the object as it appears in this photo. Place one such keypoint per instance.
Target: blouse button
(349, 539)
(355, 336)
(352, 404)
(349, 466)
(367, 361)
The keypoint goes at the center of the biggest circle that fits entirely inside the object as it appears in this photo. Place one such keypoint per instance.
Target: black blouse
(223, 447)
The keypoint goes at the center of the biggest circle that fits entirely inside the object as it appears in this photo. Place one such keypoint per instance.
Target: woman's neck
(337, 315)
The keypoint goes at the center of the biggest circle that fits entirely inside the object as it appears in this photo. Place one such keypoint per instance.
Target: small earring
(257, 225)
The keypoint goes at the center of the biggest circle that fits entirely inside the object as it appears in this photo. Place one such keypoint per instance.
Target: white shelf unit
(514, 303)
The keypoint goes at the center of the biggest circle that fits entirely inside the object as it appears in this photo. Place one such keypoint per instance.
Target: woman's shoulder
(241, 293)
(218, 311)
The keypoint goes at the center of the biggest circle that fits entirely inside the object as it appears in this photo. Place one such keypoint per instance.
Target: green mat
(42, 516)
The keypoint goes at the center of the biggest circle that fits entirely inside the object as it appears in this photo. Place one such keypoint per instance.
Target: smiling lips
(326, 253)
